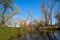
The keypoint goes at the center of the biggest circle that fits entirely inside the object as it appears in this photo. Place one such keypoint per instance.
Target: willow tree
(7, 4)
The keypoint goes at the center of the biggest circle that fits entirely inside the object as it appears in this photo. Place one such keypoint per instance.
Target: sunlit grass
(8, 32)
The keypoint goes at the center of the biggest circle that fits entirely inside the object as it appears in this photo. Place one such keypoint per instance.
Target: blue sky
(33, 5)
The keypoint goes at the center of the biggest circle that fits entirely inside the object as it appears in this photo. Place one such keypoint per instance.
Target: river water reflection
(41, 35)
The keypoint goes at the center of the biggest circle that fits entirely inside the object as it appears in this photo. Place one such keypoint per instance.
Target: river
(40, 35)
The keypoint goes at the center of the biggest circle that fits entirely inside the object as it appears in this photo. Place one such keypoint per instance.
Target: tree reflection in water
(41, 35)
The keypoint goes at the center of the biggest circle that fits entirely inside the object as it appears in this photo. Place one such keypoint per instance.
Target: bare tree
(7, 4)
(52, 3)
(44, 10)
(47, 10)
(57, 15)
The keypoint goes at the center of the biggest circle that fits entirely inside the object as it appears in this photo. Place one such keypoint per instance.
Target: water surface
(40, 35)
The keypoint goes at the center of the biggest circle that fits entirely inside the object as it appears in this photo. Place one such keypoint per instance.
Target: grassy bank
(8, 32)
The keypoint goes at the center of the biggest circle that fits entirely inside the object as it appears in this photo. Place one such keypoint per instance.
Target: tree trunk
(46, 20)
(51, 17)
(2, 21)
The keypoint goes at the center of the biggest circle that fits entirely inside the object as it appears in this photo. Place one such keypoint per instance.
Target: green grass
(8, 32)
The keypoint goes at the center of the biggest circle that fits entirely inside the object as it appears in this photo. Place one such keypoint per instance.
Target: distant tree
(58, 18)
(7, 4)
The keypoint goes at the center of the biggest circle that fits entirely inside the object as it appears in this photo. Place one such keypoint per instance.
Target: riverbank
(8, 32)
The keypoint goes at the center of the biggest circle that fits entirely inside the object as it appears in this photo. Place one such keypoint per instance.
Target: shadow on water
(39, 35)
